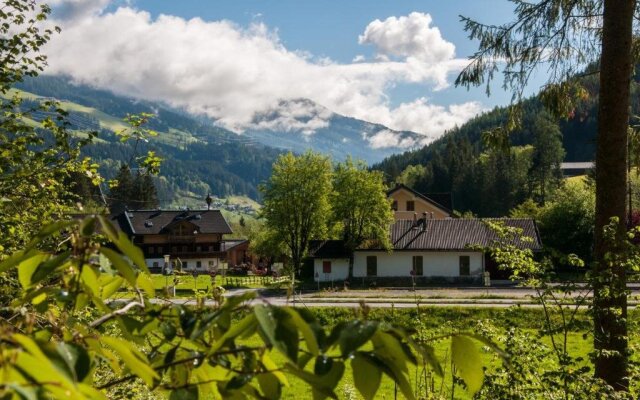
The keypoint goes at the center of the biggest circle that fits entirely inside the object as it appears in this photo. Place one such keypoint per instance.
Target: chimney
(209, 200)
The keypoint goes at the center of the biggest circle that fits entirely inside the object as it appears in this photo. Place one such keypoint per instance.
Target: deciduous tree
(296, 201)
(360, 207)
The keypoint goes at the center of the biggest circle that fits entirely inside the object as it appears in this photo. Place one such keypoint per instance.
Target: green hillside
(489, 182)
(198, 157)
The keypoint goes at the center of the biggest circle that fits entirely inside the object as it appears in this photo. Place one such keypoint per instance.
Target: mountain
(300, 124)
(489, 182)
(198, 156)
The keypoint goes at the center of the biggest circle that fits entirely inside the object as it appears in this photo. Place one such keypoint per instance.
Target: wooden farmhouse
(191, 238)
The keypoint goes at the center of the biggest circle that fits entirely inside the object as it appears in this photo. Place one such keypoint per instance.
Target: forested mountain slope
(488, 182)
(198, 157)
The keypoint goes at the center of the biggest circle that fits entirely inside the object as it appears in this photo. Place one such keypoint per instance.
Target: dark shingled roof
(441, 197)
(457, 233)
(150, 222)
(328, 249)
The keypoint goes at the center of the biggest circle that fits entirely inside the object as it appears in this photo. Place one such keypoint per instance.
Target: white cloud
(409, 36)
(238, 75)
(386, 138)
(294, 115)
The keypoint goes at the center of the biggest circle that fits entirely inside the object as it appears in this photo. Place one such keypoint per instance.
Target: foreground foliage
(64, 337)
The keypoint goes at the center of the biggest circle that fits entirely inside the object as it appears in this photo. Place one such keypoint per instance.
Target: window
(417, 266)
(198, 264)
(372, 265)
(199, 249)
(326, 267)
(156, 265)
(211, 264)
(184, 249)
(394, 205)
(174, 249)
(211, 248)
(151, 249)
(185, 265)
(159, 249)
(465, 269)
(411, 205)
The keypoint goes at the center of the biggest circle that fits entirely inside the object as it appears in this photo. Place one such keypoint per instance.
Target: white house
(423, 248)
(330, 260)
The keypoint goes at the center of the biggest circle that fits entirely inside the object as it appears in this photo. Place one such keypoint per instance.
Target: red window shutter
(326, 267)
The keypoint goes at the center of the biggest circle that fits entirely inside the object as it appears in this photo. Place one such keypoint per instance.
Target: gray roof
(150, 222)
(230, 244)
(328, 249)
(457, 233)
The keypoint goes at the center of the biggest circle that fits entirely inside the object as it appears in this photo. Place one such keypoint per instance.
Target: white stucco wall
(191, 263)
(339, 269)
(435, 263)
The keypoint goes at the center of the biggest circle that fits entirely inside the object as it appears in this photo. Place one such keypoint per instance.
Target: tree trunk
(610, 300)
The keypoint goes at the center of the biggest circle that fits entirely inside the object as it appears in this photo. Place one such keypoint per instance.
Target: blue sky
(388, 62)
(331, 28)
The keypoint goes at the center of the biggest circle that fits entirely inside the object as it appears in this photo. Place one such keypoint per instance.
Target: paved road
(471, 298)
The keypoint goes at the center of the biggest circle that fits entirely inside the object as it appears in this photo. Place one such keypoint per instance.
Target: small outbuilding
(330, 260)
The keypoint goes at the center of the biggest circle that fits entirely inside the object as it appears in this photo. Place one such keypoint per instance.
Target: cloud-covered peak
(240, 76)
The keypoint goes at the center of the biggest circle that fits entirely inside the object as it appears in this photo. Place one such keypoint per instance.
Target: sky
(382, 61)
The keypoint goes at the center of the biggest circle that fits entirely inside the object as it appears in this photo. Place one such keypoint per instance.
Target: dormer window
(148, 224)
(411, 205)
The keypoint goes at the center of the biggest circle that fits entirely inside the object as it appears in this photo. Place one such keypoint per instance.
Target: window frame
(411, 205)
(466, 265)
(372, 265)
(417, 267)
(326, 266)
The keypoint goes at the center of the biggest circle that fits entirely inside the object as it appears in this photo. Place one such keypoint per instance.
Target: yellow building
(409, 204)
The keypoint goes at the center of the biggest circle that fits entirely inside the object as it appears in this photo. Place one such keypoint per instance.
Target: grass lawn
(434, 322)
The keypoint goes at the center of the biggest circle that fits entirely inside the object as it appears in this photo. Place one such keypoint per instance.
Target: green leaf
(366, 376)
(270, 385)
(133, 358)
(120, 264)
(190, 393)
(305, 329)
(76, 359)
(466, 358)
(88, 226)
(47, 267)
(16, 258)
(145, 282)
(123, 244)
(38, 366)
(355, 334)
(389, 350)
(23, 393)
(90, 278)
(49, 230)
(248, 323)
(27, 268)
(279, 330)
(320, 386)
(110, 285)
